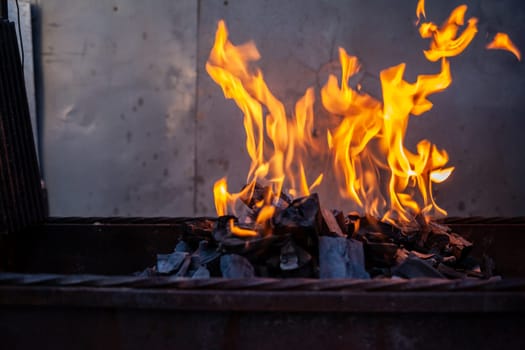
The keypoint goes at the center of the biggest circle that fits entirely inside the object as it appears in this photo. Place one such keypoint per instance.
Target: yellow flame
(221, 196)
(265, 214)
(420, 10)
(445, 42)
(372, 166)
(275, 143)
(241, 232)
(502, 41)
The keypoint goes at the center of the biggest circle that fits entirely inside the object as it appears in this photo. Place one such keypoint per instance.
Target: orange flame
(221, 196)
(242, 232)
(420, 10)
(372, 166)
(445, 42)
(275, 143)
(502, 41)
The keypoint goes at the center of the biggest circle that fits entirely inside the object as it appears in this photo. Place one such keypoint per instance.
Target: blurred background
(128, 123)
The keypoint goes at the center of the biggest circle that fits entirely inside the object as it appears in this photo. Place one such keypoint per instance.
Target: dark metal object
(173, 283)
(256, 313)
(79, 311)
(3, 10)
(127, 245)
(21, 199)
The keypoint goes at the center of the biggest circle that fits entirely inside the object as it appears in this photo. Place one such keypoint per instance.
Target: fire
(420, 10)
(373, 168)
(276, 143)
(221, 196)
(445, 42)
(502, 41)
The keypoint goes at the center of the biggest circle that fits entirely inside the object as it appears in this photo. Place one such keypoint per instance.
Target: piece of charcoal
(450, 272)
(273, 264)
(449, 260)
(371, 224)
(206, 252)
(303, 213)
(289, 259)
(183, 270)
(331, 226)
(303, 220)
(195, 263)
(353, 223)
(201, 272)
(195, 230)
(169, 263)
(424, 256)
(487, 266)
(264, 193)
(435, 227)
(183, 247)
(341, 220)
(413, 267)
(431, 258)
(401, 255)
(436, 242)
(434, 238)
(379, 272)
(380, 254)
(148, 272)
(222, 227)
(377, 237)
(252, 248)
(236, 266)
(459, 246)
(341, 258)
(293, 257)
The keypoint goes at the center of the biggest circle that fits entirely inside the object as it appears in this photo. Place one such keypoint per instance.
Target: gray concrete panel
(478, 120)
(119, 87)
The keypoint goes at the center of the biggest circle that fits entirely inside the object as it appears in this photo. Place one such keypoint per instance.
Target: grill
(69, 281)
(74, 275)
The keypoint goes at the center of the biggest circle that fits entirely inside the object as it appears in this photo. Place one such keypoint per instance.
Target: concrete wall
(132, 124)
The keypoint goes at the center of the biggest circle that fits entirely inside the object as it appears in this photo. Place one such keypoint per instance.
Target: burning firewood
(308, 241)
(301, 239)
(331, 225)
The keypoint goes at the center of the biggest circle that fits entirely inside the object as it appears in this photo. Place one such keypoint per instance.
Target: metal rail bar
(494, 284)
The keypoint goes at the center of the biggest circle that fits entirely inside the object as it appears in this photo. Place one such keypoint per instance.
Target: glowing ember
(502, 41)
(365, 148)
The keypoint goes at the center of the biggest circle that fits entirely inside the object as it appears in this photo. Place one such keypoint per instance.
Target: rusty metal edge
(264, 301)
(494, 284)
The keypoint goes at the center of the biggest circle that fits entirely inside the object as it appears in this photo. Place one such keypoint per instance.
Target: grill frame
(134, 312)
(69, 309)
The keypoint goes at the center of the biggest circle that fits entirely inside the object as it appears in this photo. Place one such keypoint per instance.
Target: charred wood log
(330, 225)
(341, 258)
(413, 267)
(303, 220)
(236, 266)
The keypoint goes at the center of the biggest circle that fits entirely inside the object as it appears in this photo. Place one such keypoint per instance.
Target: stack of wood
(302, 239)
